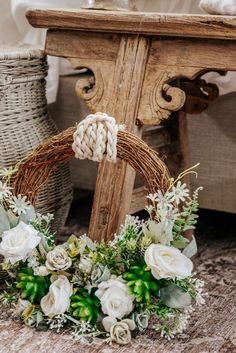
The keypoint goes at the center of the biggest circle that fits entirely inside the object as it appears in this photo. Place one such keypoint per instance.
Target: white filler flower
(167, 262)
(5, 191)
(85, 265)
(57, 301)
(19, 204)
(179, 192)
(18, 242)
(115, 297)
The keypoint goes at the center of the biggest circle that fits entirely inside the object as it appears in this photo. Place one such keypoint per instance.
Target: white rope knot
(95, 137)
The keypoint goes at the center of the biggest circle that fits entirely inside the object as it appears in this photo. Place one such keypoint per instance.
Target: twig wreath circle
(36, 169)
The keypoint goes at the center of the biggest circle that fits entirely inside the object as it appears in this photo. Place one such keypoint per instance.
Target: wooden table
(135, 60)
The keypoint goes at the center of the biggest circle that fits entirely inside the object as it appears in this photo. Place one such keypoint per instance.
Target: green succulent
(141, 283)
(85, 306)
(32, 287)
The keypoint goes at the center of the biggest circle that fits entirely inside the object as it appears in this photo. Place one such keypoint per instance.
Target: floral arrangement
(142, 278)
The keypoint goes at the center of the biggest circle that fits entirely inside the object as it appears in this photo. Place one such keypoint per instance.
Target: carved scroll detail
(93, 86)
(159, 104)
(160, 98)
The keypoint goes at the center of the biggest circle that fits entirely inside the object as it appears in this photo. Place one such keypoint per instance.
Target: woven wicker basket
(25, 122)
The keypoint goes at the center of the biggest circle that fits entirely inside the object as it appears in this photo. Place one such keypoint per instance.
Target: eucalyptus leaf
(180, 243)
(191, 248)
(29, 215)
(4, 222)
(39, 317)
(13, 219)
(175, 297)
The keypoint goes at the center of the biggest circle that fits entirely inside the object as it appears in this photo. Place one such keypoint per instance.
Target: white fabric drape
(15, 28)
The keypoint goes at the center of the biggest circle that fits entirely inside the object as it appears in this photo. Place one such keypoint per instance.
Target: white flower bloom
(179, 192)
(57, 301)
(85, 265)
(168, 215)
(167, 262)
(48, 218)
(149, 209)
(152, 197)
(162, 200)
(199, 285)
(18, 242)
(19, 204)
(41, 271)
(58, 259)
(158, 232)
(6, 173)
(85, 241)
(57, 322)
(120, 332)
(5, 191)
(32, 261)
(115, 297)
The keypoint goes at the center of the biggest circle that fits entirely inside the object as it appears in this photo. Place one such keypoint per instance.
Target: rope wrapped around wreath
(93, 138)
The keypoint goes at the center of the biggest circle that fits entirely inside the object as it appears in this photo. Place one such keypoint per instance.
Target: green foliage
(107, 256)
(187, 284)
(186, 221)
(141, 284)
(85, 306)
(42, 225)
(32, 287)
(162, 310)
(7, 298)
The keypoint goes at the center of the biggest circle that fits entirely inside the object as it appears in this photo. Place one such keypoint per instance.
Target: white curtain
(14, 28)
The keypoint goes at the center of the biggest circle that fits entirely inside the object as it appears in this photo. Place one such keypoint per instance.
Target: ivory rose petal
(57, 301)
(115, 297)
(58, 259)
(167, 262)
(18, 242)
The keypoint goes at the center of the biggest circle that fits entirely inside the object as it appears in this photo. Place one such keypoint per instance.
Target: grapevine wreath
(141, 279)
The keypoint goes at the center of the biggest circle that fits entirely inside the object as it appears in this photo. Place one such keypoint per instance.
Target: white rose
(41, 271)
(115, 297)
(57, 301)
(119, 331)
(167, 262)
(85, 265)
(18, 242)
(58, 259)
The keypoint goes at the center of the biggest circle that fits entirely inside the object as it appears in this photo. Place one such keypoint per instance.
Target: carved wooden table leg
(118, 64)
(114, 186)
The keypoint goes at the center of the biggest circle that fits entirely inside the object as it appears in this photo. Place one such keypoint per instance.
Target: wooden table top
(195, 26)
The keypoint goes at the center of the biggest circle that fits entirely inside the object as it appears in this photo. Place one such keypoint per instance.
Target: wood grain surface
(198, 26)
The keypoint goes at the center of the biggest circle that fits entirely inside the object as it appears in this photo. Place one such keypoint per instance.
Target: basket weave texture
(25, 122)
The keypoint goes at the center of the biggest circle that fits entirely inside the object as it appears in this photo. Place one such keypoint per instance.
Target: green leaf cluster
(32, 287)
(44, 229)
(186, 221)
(85, 306)
(141, 284)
